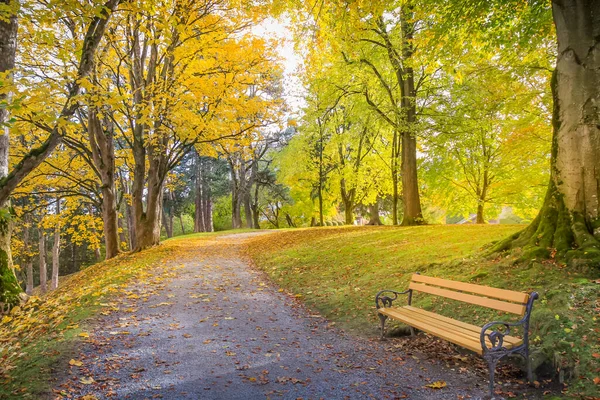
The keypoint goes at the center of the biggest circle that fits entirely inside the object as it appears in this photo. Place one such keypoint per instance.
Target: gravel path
(211, 327)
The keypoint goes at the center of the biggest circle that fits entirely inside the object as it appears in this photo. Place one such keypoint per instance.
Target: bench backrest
(498, 299)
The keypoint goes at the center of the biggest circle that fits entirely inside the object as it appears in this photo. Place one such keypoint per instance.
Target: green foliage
(222, 213)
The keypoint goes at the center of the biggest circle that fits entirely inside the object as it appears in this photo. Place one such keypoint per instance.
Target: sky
(280, 29)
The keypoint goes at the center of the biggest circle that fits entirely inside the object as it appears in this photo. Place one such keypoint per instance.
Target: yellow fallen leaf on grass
(76, 363)
(436, 385)
(6, 319)
(87, 380)
(84, 335)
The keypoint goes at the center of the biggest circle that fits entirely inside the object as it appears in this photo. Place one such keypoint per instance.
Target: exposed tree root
(556, 233)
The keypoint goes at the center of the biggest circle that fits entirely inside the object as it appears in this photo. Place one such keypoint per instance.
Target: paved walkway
(217, 329)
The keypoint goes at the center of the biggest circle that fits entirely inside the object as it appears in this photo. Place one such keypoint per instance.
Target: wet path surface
(211, 327)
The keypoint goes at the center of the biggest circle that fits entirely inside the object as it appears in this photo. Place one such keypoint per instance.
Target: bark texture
(56, 252)
(568, 226)
(42, 262)
(9, 286)
(203, 221)
(101, 137)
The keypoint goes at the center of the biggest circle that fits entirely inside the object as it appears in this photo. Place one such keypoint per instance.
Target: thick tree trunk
(412, 214)
(110, 217)
(148, 223)
(56, 251)
(101, 137)
(480, 219)
(9, 286)
(42, 262)
(569, 221)
(410, 181)
(248, 209)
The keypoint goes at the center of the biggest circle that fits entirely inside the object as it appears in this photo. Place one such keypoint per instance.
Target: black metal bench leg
(382, 319)
(528, 363)
(492, 368)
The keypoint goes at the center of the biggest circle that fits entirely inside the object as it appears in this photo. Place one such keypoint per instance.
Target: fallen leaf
(76, 363)
(87, 380)
(84, 335)
(597, 380)
(436, 385)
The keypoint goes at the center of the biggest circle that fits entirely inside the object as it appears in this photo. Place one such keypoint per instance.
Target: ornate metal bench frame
(492, 355)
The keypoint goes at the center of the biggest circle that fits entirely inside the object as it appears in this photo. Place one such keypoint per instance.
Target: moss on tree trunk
(568, 225)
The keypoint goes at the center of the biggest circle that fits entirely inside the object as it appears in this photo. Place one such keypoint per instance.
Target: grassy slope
(36, 336)
(338, 271)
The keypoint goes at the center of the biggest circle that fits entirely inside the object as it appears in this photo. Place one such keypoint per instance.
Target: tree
(96, 25)
(569, 221)
(483, 141)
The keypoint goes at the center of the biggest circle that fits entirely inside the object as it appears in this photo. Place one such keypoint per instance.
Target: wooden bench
(493, 341)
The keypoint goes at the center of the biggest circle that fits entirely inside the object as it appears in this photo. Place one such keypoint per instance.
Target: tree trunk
(148, 223)
(56, 250)
(248, 209)
(199, 225)
(569, 221)
(394, 171)
(255, 207)
(27, 259)
(42, 261)
(289, 221)
(410, 181)
(374, 214)
(130, 226)
(101, 137)
(9, 286)
(480, 219)
(181, 223)
(168, 223)
(122, 235)
(236, 213)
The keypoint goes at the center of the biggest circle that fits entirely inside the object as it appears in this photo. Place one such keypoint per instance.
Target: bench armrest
(382, 300)
(496, 337)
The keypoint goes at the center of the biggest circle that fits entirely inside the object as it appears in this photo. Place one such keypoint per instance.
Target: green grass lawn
(338, 271)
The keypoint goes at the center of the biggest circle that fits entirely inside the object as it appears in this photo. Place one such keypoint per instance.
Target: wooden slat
(512, 339)
(470, 342)
(449, 324)
(449, 336)
(502, 294)
(518, 309)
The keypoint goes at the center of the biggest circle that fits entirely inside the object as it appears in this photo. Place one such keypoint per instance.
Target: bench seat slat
(502, 294)
(518, 309)
(444, 331)
(512, 339)
(470, 344)
(451, 324)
